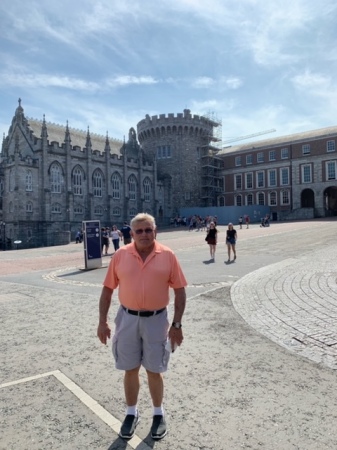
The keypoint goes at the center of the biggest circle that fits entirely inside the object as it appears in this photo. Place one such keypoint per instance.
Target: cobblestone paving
(294, 303)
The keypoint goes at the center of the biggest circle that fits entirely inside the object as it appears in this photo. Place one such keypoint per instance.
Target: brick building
(295, 175)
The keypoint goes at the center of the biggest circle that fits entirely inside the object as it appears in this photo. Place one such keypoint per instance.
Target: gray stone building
(53, 177)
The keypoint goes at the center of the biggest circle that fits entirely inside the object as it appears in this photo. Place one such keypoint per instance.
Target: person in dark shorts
(231, 237)
(211, 239)
(126, 232)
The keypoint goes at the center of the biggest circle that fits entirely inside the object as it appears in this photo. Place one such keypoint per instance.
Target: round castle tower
(181, 145)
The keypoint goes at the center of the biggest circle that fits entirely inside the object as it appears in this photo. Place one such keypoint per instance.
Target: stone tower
(182, 146)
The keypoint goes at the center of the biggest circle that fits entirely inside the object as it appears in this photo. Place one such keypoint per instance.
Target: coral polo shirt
(144, 285)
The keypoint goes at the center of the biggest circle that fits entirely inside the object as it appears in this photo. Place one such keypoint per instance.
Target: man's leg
(131, 386)
(156, 387)
(131, 389)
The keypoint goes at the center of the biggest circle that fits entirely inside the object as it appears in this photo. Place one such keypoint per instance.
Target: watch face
(177, 325)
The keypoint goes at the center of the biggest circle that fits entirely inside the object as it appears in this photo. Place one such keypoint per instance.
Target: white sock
(158, 410)
(132, 410)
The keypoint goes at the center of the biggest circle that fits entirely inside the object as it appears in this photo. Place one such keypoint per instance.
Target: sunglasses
(141, 231)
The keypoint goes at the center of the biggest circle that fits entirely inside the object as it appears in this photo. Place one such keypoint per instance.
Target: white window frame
(331, 146)
(261, 195)
(116, 211)
(249, 159)
(250, 175)
(331, 164)
(283, 194)
(272, 155)
(260, 157)
(238, 200)
(306, 149)
(238, 161)
(272, 198)
(249, 199)
(236, 178)
(284, 170)
(260, 183)
(304, 174)
(284, 153)
(270, 171)
(29, 207)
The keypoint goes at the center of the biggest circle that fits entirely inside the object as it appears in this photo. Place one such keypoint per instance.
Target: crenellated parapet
(182, 124)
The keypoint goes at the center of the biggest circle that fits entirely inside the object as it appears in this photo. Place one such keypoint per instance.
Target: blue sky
(254, 64)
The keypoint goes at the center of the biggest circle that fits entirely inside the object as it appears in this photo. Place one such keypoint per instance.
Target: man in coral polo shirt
(143, 271)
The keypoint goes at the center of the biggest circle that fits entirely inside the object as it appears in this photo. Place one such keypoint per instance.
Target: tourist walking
(143, 272)
(231, 238)
(105, 242)
(240, 222)
(211, 239)
(115, 237)
(126, 233)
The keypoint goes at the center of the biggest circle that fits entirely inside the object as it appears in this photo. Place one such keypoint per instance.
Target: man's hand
(176, 336)
(103, 332)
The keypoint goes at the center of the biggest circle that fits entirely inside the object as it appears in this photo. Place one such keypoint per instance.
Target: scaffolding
(211, 165)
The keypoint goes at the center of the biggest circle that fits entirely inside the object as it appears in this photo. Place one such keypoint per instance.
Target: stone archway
(330, 201)
(307, 198)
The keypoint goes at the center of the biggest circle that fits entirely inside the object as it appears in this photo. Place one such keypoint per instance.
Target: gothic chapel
(53, 177)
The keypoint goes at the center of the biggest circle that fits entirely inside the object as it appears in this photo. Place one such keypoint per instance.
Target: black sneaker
(158, 429)
(128, 427)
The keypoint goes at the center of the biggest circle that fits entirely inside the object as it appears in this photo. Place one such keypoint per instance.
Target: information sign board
(92, 244)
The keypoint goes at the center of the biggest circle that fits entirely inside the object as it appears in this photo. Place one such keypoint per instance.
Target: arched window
(133, 212)
(78, 209)
(55, 178)
(132, 187)
(29, 207)
(77, 181)
(272, 199)
(147, 189)
(238, 200)
(29, 181)
(98, 210)
(116, 212)
(56, 208)
(249, 199)
(97, 183)
(116, 182)
(260, 198)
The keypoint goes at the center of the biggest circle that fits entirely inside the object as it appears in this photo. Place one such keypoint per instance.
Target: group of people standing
(116, 235)
(212, 239)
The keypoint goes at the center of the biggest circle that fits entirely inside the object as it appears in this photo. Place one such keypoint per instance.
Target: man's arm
(175, 334)
(103, 329)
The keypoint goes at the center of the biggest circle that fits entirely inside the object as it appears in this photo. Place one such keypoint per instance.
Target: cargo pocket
(166, 355)
(114, 348)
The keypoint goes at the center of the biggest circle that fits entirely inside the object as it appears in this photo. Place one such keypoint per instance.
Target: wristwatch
(177, 325)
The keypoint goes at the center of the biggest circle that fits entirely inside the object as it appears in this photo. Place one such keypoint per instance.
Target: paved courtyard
(256, 370)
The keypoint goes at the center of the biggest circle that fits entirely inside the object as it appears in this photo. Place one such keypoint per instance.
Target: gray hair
(143, 217)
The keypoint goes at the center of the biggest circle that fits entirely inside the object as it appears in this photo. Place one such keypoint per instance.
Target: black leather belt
(143, 313)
